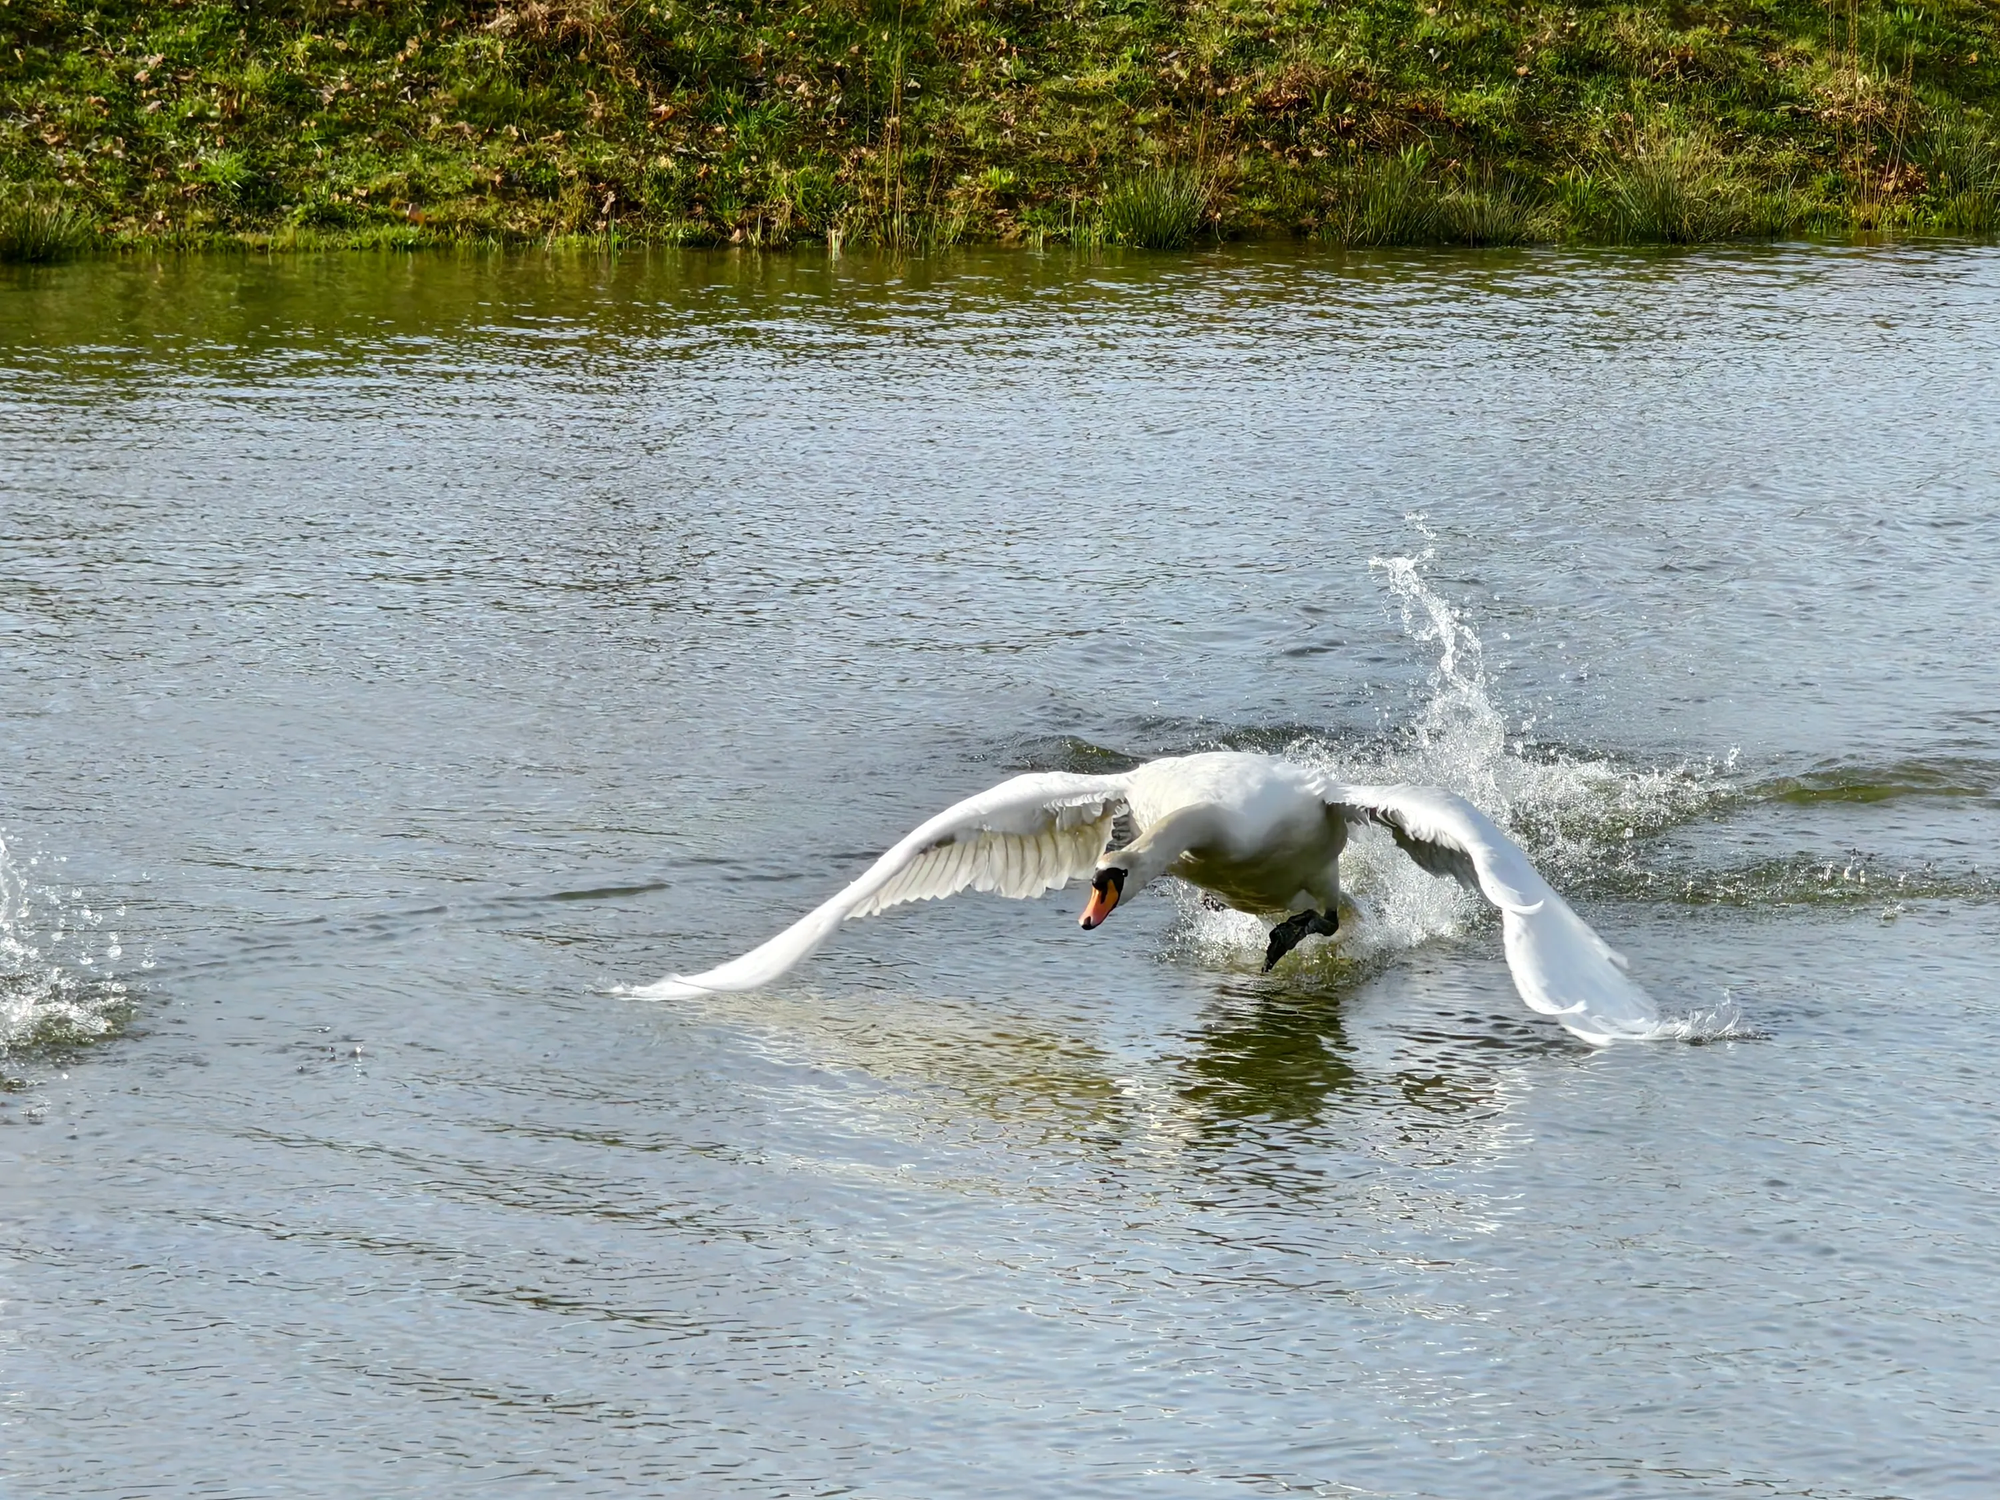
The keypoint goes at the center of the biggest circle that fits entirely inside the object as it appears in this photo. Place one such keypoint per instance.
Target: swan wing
(1018, 839)
(1561, 967)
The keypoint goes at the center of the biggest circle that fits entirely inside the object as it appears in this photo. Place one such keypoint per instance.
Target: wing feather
(1560, 966)
(949, 868)
(1049, 856)
(1020, 838)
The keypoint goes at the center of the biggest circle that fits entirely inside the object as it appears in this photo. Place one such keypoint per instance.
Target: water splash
(1578, 816)
(1574, 814)
(59, 957)
(1720, 1022)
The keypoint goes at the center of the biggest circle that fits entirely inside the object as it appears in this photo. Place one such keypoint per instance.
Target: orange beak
(1103, 897)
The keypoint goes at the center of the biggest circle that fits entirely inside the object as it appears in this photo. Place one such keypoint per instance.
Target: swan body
(1248, 829)
(1260, 833)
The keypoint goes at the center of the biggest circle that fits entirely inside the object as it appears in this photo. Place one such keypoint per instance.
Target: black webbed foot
(1295, 929)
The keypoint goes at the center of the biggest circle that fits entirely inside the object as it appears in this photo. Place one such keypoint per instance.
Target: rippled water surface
(398, 654)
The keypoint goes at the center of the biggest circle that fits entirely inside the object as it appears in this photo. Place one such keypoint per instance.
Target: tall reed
(1384, 201)
(1961, 161)
(35, 229)
(1491, 211)
(1160, 207)
(1674, 188)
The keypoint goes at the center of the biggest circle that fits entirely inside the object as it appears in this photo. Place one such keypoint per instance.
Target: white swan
(1261, 833)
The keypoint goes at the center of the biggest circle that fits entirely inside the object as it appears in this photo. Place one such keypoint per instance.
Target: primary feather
(1018, 839)
(1560, 966)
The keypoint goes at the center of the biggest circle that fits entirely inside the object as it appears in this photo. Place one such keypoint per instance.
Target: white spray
(1577, 816)
(57, 958)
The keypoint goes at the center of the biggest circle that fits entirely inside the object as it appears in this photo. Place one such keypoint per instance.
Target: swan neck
(1154, 851)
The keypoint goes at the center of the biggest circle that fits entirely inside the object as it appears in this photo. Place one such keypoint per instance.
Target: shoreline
(348, 124)
(609, 248)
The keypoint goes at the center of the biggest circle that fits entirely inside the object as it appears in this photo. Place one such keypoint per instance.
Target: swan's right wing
(1019, 839)
(1560, 966)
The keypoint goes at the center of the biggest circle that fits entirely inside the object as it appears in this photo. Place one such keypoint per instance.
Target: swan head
(1107, 884)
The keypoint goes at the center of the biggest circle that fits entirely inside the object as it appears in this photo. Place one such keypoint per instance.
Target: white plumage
(1048, 845)
(1261, 833)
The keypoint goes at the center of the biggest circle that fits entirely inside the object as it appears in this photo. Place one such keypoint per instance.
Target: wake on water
(1573, 814)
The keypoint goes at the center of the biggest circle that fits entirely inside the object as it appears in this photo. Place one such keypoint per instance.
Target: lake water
(398, 654)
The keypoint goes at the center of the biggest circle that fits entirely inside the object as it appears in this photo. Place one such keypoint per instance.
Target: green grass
(1158, 207)
(36, 229)
(918, 123)
(1677, 189)
(1489, 211)
(1960, 162)
(1389, 200)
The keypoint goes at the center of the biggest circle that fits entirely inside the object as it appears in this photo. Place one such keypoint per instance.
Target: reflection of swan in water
(1262, 834)
(1283, 1056)
(1278, 1059)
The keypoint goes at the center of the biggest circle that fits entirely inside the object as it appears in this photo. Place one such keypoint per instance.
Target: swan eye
(1110, 876)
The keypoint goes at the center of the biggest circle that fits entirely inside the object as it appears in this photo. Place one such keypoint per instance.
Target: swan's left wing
(1018, 839)
(1561, 967)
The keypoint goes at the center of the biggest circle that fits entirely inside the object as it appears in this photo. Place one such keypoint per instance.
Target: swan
(1262, 834)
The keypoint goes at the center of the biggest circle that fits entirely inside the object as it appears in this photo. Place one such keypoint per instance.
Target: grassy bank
(921, 122)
